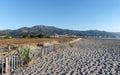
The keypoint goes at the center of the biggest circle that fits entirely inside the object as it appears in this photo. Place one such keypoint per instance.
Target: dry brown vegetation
(31, 40)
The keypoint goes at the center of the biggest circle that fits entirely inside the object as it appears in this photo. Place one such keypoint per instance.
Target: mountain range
(51, 30)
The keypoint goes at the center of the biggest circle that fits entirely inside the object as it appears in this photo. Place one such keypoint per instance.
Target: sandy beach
(86, 57)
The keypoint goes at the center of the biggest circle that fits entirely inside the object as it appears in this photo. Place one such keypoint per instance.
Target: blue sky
(66, 14)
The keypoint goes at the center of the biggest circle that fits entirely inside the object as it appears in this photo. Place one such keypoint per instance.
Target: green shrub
(71, 44)
(24, 54)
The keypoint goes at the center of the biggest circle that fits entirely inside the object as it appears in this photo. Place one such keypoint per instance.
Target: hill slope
(50, 30)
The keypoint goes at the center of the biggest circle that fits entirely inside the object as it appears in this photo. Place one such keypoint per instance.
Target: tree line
(35, 36)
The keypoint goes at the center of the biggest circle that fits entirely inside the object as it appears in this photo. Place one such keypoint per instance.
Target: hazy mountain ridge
(51, 30)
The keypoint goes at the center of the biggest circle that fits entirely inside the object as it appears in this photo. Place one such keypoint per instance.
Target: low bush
(71, 44)
(24, 54)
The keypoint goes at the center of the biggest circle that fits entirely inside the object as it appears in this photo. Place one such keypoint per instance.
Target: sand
(87, 57)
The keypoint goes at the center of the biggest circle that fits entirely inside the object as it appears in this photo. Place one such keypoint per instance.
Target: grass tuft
(71, 45)
(24, 54)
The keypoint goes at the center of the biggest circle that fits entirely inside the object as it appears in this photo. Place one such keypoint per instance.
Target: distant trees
(34, 36)
(41, 35)
(26, 36)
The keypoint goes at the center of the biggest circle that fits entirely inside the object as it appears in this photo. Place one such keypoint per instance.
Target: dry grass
(31, 40)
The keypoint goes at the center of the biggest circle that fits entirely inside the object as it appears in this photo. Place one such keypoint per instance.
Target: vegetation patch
(71, 45)
(24, 55)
